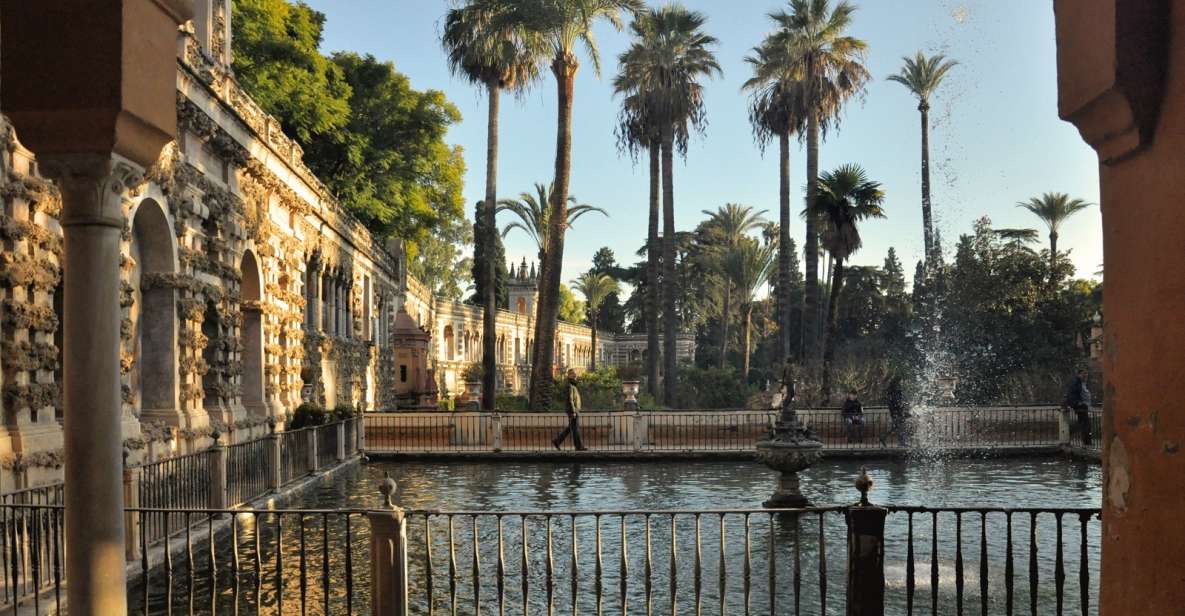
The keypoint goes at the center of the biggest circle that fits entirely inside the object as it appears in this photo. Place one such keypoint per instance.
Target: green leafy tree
(497, 258)
(1053, 209)
(846, 197)
(670, 53)
(810, 43)
(276, 59)
(611, 316)
(498, 56)
(595, 288)
(572, 310)
(440, 263)
(390, 164)
(922, 76)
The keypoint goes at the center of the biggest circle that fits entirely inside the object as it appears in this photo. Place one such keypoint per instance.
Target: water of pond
(685, 485)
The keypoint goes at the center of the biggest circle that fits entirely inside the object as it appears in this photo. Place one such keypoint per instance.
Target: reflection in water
(603, 561)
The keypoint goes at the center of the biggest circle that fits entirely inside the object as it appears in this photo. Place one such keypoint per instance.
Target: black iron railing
(249, 468)
(714, 430)
(935, 561)
(294, 454)
(327, 440)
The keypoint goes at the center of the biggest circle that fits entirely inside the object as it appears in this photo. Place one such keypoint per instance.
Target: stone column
(93, 187)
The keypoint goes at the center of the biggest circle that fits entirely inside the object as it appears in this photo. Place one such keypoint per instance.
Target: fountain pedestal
(789, 449)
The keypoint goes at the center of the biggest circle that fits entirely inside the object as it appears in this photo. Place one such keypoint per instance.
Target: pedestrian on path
(572, 407)
(1078, 399)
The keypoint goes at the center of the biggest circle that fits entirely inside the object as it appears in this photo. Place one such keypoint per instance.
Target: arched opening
(153, 315)
(449, 348)
(522, 306)
(210, 380)
(251, 334)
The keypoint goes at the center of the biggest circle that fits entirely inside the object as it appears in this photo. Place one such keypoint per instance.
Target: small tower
(523, 290)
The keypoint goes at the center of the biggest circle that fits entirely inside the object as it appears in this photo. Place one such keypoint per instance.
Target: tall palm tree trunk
(653, 292)
(547, 314)
(927, 220)
(784, 282)
(725, 317)
(592, 362)
(747, 335)
(489, 360)
(669, 325)
(832, 318)
(1053, 259)
(810, 310)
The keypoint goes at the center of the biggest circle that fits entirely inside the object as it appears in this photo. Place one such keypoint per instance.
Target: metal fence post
(866, 554)
(341, 440)
(388, 555)
(217, 453)
(131, 521)
(640, 431)
(1063, 427)
(311, 435)
(496, 428)
(276, 480)
(360, 433)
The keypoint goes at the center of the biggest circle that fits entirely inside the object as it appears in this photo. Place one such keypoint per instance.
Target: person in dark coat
(1078, 399)
(572, 408)
(896, 399)
(853, 418)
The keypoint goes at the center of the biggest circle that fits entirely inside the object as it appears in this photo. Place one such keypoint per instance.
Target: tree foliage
(376, 142)
(501, 274)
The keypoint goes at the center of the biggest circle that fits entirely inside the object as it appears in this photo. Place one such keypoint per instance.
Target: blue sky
(995, 135)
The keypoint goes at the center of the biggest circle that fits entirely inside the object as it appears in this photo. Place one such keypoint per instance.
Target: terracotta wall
(1140, 83)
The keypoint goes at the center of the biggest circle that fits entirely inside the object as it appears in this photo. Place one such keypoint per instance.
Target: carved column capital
(1112, 58)
(94, 186)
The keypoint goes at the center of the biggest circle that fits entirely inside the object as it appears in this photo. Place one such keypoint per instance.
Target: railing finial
(864, 484)
(387, 489)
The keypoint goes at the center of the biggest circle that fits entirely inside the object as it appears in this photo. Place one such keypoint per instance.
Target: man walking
(1078, 398)
(572, 407)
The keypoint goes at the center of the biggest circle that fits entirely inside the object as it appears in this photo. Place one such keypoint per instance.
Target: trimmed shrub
(308, 414)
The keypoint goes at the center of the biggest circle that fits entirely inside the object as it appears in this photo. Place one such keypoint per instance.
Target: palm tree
(534, 215)
(734, 222)
(1016, 237)
(637, 129)
(557, 28)
(846, 197)
(777, 109)
(497, 57)
(1053, 209)
(922, 76)
(748, 265)
(595, 288)
(663, 65)
(809, 45)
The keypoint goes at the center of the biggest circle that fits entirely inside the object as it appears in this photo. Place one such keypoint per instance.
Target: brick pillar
(276, 480)
(388, 556)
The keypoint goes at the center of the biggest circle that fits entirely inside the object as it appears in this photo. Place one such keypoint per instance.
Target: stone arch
(251, 333)
(154, 314)
(449, 343)
(211, 379)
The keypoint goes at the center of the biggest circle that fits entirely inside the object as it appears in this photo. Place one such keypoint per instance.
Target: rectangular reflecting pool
(662, 537)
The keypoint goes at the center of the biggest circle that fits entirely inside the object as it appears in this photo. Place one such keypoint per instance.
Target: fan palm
(670, 53)
(558, 28)
(777, 109)
(809, 43)
(1053, 209)
(488, 52)
(534, 215)
(1016, 237)
(922, 76)
(638, 129)
(734, 222)
(846, 197)
(748, 265)
(595, 288)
